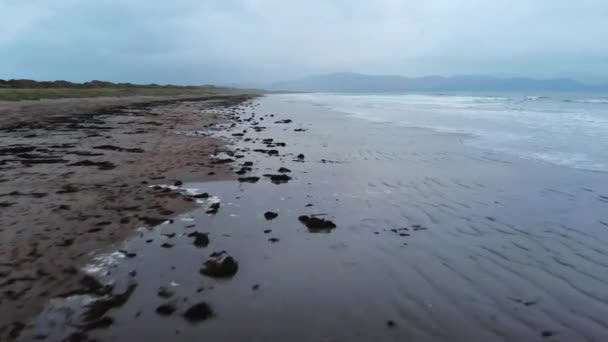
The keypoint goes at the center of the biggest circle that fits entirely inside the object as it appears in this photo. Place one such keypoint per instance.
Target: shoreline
(76, 177)
(433, 240)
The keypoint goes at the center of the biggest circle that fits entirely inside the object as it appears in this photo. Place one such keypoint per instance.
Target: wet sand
(74, 179)
(433, 241)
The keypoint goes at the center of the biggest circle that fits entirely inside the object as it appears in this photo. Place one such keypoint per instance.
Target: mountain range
(361, 83)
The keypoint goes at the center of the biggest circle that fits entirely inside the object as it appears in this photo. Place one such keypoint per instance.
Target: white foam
(546, 128)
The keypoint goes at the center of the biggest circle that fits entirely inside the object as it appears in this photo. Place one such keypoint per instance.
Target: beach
(315, 225)
(74, 175)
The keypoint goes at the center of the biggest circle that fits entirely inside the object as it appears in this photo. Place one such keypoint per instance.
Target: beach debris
(198, 312)
(102, 165)
(118, 149)
(166, 309)
(152, 221)
(269, 215)
(223, 161)
(217, 254)
(315, 224)
(165, 292)
(268, 152)
(547, 333)
(285, 121)
(220, 266)
(243, 170)
(278, 179)
(200, 239)
(213, 208)
(94, 316)
(300, 130)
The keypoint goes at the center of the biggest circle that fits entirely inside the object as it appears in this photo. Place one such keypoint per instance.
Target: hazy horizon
(260, 42)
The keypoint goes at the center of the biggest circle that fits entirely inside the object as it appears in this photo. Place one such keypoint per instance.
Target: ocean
(564, 129)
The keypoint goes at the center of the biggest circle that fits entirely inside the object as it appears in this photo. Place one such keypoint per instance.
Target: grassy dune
(25, 89)
(15, 94)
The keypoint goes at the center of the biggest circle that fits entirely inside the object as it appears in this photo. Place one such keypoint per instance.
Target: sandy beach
(316, 226)
(75, 176)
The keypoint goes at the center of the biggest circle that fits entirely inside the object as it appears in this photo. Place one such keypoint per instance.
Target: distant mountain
(358, 83)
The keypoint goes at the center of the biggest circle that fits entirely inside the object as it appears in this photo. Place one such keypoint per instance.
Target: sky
(250, 42)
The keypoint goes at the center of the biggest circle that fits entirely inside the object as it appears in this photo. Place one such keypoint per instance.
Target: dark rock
(178, 183)
(203, 195)
(165, 292)
(217, 254)
(243, 170)
(547, 333)
(166, 309)
(97, 309)
(286, 121)
(315, 224)
(284, 170)
(273, 240)
(119, 149)
(249, 179)
(102, 165)
(220, 267)
(128, 254)
(152, 221)
(198, 312)
(66, 243)
(167, 245)
(200, 239)
(300, 156)
(222, 161)
(213, 208)
(269, 215)
(390, 323)
(278, 179)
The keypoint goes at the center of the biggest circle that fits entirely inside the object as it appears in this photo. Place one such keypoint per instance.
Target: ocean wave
(593, 101)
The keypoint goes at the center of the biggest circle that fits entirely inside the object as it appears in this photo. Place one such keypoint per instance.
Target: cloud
(224, 41)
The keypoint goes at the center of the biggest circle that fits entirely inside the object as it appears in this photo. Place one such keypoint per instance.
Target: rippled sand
(435, 241)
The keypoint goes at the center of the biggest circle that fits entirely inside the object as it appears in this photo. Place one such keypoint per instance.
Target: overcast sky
(250, 41)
